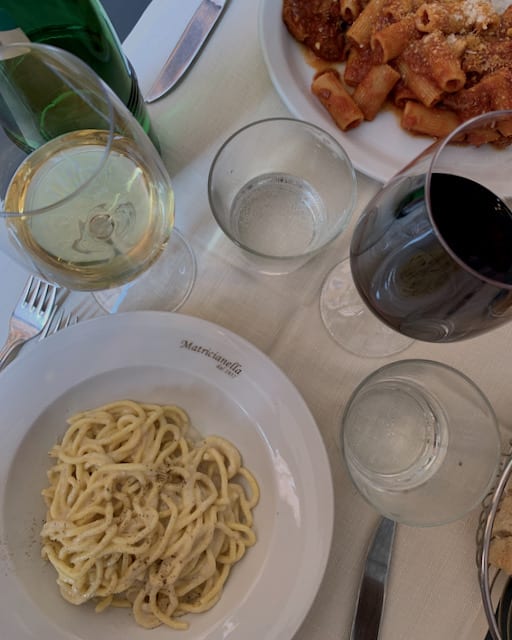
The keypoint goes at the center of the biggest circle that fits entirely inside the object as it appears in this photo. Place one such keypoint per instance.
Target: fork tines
(59, 320)
(39, 294)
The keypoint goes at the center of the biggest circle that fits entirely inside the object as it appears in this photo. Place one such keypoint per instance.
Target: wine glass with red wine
(431, 255)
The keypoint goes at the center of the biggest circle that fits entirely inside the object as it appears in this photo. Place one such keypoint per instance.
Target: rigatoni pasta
(390, 41)
(360, 31)
(372, 91)
(440, 62)
(350, 10)
(434, 16)
(417, 118)
(329, 89)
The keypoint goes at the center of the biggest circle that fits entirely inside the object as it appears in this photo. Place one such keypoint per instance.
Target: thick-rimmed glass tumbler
(430, 255)
(421, 442)
(281, 189)
(86, 200)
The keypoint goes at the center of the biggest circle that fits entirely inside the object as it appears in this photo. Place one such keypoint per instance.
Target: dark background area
(124, 14)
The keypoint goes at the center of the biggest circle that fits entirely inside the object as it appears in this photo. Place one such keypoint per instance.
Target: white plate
(228, 387)
(379, 148)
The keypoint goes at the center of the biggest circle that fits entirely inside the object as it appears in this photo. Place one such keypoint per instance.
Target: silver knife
(372, 590)
(191, 41)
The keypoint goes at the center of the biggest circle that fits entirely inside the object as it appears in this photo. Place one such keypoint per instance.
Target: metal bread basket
(498, 608)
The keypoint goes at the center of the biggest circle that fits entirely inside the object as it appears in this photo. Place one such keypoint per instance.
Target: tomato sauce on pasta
(439, 62)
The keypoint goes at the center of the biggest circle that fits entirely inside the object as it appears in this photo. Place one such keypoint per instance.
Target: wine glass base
(350, 323)
(165, 286)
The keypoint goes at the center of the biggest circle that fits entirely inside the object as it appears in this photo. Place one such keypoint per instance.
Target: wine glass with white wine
(86, 199)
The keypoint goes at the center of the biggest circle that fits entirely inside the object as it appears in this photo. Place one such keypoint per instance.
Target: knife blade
(186, 50)
(372, 590)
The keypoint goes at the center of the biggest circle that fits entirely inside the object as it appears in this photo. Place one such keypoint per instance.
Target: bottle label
(12, 36)
(10, 33)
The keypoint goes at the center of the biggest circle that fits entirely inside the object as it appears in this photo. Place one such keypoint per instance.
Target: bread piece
(500, 550)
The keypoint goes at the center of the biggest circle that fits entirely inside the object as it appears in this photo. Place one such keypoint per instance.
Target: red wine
(475, 224)
(441, 278)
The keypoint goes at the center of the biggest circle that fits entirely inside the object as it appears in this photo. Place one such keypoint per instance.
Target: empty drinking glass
(281, 190)
(421, 442)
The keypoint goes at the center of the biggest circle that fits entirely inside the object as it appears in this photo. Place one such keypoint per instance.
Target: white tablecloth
(433, 589)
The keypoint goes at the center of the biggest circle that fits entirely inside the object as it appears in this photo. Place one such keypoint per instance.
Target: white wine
(93, 219)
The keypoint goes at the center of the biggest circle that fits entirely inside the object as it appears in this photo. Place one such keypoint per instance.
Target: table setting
(248, 336)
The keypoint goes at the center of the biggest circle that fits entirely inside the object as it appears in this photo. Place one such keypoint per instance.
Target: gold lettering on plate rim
(228, 367)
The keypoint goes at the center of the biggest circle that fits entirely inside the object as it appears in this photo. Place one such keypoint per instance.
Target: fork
(30, 315)
(59, 319)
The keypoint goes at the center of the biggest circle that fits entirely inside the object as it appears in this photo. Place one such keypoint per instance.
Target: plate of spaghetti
(164, 483)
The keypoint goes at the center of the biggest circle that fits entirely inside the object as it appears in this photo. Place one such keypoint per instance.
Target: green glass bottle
(83, 28)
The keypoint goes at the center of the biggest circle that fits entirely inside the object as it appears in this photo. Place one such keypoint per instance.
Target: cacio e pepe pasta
(141, 515)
